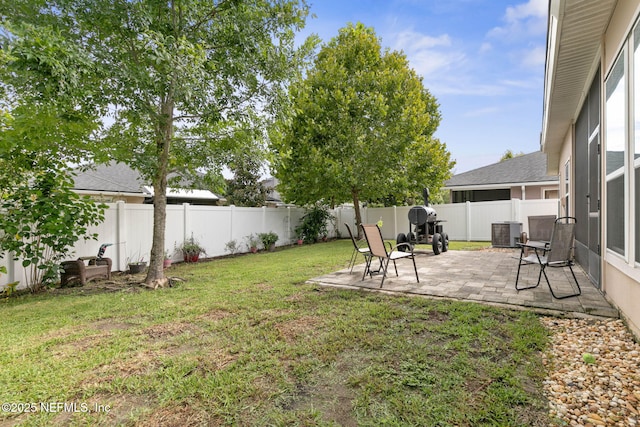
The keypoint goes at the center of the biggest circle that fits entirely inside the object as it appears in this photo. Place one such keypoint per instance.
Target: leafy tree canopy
(177, 79)
(361, 127)
(510, 154)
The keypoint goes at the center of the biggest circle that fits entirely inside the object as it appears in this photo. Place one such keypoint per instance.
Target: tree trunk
(356, 206)
(155, 274)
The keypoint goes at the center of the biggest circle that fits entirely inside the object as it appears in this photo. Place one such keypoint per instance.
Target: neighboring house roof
(525, 169)
(270, 184)
(114, 177)
(120, 178)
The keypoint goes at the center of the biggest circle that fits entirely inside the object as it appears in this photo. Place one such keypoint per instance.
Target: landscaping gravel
(594, 373)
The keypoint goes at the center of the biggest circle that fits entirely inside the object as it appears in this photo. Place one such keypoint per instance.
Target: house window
(622, 159)
(615, 114)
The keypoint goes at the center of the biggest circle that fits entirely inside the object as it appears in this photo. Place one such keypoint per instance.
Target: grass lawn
(243, 341)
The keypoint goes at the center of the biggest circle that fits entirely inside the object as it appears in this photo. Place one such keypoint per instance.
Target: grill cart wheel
(436, 243)
(445, 242)
(402, 238)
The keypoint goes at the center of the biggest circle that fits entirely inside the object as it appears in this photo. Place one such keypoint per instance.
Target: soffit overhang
(574, 36)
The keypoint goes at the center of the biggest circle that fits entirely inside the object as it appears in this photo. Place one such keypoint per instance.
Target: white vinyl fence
(464, 221)
(129, 227)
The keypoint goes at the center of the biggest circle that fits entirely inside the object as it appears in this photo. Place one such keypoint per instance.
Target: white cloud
(522, 20)
(534, 57)
(482, 112)
(411, 41)
(430, 56)
(485, 47)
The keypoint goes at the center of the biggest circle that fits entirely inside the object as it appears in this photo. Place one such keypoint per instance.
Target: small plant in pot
(252, 242)
(167, 259)
(136, 264)
(191, 250)
(268, 240)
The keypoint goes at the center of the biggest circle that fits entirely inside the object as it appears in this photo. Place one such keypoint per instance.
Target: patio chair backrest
(541, 227)
(353, 239)
(374, 238)
(564, 231)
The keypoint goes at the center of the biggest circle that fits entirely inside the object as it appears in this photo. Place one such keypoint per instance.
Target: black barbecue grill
(425, 228)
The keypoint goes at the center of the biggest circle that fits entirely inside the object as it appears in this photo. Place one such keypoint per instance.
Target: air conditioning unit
(505, 234)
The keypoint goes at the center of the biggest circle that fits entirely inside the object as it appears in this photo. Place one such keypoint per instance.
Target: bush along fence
(222, 230)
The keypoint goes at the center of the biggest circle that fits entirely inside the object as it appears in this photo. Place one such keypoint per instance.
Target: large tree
(46, 117)
(179, 77)
(361, 127)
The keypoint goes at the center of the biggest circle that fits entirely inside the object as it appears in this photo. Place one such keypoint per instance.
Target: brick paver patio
(482, 276)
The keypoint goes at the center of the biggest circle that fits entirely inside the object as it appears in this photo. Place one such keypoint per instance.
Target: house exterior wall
(567, 174)
(621, 278)
(535, 192)
(620, 272)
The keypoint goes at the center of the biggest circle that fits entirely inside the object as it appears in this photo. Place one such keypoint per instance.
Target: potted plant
(136, 264)
(252, 242)
(167, 259)
(268, 240)
(191, 250)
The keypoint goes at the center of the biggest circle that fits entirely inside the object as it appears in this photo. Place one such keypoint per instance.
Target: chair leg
(518, 275)
(413, 258)
(367, 266)
(352, 261)
(565, 296)
(384, 272)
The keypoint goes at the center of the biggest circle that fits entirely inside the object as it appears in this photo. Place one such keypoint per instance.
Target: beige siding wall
(621, 24)
(621, 283)
(567, 205)
(624, 292)
(535, 192)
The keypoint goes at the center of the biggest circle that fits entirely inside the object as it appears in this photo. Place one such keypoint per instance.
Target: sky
(483, 60)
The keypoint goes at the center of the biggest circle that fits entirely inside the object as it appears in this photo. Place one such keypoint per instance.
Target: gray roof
(113, 177)
(525, 169)
(121, 178)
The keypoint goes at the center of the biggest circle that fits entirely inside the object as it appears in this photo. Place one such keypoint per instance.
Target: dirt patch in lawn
(290, 330)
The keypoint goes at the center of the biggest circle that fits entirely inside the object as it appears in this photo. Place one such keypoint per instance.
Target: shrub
(268, 239)
(314, 223)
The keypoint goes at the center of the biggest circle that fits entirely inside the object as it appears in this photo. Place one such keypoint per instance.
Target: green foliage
(361, 128)
(10, 288)
(246, 189)
(252, 241)
(232, 247)
(510, 154)
(268, 239)
(246, 342)
(191, 247)
(314, 223)
(183, 82)
(43, 218)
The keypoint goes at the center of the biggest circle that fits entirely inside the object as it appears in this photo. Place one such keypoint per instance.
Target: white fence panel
(455, 215)
(483, 214)
(129, 227)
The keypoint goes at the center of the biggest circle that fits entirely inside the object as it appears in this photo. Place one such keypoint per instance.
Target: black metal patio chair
(357, 249)
(555, 253)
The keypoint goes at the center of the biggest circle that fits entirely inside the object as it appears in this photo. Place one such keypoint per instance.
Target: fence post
(264, 219)
(516, 210)
(467, 212)
(121, 235)
(395, 220)
(232, 209)
(186, 224)
(289, 240)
